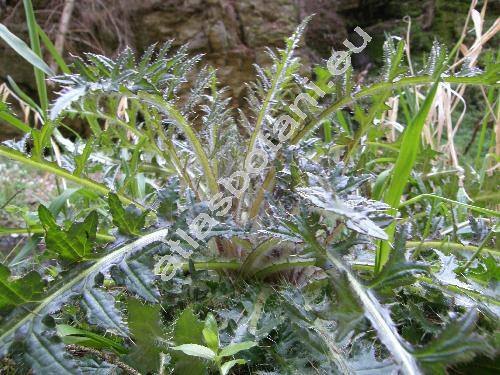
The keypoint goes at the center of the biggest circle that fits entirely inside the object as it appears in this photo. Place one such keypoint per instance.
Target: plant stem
(10, 231)
(79, 350)
(55, 169)
(420, 197)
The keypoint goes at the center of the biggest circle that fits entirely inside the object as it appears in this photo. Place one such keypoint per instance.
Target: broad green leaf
(22, 49)
(130, 221)
(72, 284)
(58, 203)
(232, 349)
(16, 291)
(46, 217)
(188, 329)
(196, 350)
(146, 330)
(226, 367)
(211, 333)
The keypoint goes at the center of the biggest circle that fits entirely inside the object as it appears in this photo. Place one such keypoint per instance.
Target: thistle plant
(326, 262)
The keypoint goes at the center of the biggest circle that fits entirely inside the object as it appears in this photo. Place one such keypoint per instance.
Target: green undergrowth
(361, 246)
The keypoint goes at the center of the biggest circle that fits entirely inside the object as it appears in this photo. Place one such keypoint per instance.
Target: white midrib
(386, 333)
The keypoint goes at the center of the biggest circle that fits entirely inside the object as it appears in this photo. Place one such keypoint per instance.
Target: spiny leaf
(73, 245)
(101, 310)
(138, 278)
(378, 315)
(347, 311)
(129, 221)
(146, 331)
(68, 287)
(188, 328)
(47, 355)
(456, 343)
(15, 292)
(66, 99)
(355, 220)
(397, 271)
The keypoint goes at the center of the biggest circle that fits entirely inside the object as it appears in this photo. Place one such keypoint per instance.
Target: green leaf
(59, 202)
(69, 286)
(72, 335)
(347, 312)
(196, 350)
(129, 221)
(14, 292)
(101, 311)
(39, 73)
(75, 244)
(378, 315)
(146, 331)
(188, 329)
(457, 343)
(224, 369)
(47, 355)
(397, 271)
(47, 218)
(356, 218)
(232, 349)
(211, 333)
(52, 50)
(281, 76)
(410, 145)
(138, 278)
(22, 49)
(14, 121)
(65, 100)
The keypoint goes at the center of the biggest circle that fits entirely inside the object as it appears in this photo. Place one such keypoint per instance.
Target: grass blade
(410, 145)
(22, 49)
